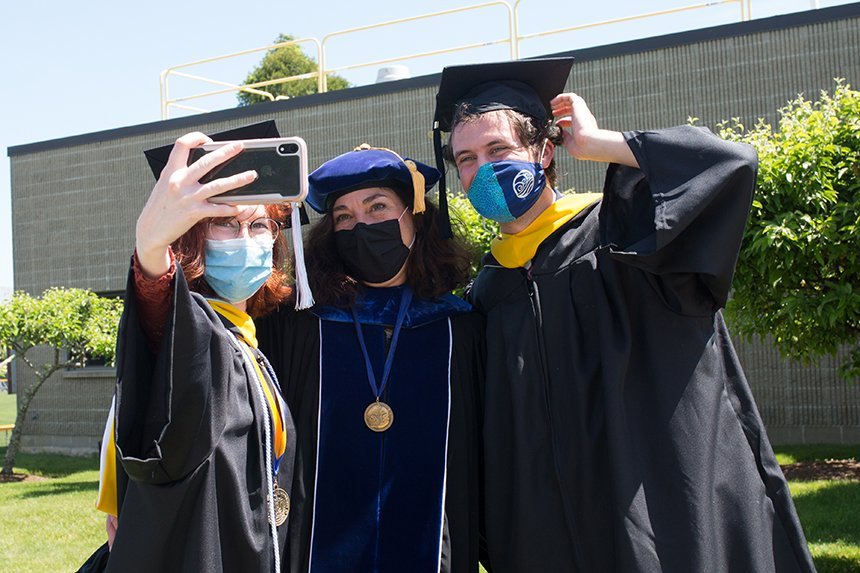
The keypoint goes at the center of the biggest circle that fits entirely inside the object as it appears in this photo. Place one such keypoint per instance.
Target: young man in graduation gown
(620, 433)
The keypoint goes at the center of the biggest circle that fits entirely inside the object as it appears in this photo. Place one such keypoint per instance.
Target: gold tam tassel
(418, 181)
(417, 186)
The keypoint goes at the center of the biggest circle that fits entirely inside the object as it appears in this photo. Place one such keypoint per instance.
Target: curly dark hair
(190, 255)
(435, 265)
(531, 133)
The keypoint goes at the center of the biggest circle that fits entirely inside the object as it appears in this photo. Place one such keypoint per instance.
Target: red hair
(189, 252)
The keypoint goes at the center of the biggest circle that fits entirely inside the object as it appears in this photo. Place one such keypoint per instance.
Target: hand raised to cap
(583, 139)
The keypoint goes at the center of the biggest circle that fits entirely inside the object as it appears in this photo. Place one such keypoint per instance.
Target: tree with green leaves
(5, 359)
(72, 323)
(798, 275)
(284, 62)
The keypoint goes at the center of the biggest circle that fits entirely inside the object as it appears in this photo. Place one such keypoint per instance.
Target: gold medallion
(378, 416)
(282, 504)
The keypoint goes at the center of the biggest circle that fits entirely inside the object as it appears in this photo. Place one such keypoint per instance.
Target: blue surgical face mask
(505, 190)
(237, 268)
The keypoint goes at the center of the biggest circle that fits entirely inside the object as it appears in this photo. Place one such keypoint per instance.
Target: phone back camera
(288, 148)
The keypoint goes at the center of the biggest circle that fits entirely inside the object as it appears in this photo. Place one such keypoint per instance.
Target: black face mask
(372, 253)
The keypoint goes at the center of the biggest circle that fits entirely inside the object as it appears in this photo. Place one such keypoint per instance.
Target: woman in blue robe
(383, 377)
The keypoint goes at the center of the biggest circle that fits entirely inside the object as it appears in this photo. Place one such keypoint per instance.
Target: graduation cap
(525, 86)
(157, 157)
(367, 166)
(157, 160)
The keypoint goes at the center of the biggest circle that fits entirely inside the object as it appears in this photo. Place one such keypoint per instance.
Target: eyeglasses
(261, 229)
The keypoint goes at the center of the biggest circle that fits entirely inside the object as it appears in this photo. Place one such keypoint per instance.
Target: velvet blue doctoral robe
(403, 498)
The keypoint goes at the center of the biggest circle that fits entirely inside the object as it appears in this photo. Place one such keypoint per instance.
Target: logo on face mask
(524, 182)
(505, 190)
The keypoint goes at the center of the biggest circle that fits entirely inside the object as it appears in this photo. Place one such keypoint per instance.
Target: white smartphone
(281, 165)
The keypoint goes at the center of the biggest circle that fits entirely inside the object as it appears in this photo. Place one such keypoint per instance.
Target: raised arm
(167, 364)
(583, 139)
(178, 201)
(684, 210)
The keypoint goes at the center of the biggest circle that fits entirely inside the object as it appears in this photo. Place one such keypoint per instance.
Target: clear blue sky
(70, 68)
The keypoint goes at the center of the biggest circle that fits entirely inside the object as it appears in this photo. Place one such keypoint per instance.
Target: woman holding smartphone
(383, 376)
(203, 437)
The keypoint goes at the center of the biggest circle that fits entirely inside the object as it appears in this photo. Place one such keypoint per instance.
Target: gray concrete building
(75, 200)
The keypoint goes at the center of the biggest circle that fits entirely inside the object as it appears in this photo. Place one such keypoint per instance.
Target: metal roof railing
(167, 102)
(513, 39)
(743, 6)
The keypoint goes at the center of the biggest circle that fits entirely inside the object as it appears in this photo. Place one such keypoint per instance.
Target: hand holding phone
(178, 202)
(281, 165)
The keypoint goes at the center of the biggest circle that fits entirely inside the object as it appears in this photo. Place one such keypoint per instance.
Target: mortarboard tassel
(304, 296)
(444, 218)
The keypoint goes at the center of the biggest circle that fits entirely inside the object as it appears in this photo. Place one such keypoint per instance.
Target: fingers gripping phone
(281, 165)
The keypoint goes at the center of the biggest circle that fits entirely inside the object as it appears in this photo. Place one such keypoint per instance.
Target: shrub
(798, 271)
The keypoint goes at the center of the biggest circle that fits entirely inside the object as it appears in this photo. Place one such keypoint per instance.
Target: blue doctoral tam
(370, 167)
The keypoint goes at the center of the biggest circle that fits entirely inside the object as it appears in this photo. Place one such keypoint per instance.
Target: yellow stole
(514, 251)
(248, 335)
(106, 501)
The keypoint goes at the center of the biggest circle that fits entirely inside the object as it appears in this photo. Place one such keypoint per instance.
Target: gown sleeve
(681, 215)
(153, 299)
(169, 415)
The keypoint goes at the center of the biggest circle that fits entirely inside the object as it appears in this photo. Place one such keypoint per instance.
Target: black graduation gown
(620, 432)
(192, 483)
(291, 340)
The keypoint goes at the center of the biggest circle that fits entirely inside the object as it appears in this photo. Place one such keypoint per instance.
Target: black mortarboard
(157, 158)
(526, 86)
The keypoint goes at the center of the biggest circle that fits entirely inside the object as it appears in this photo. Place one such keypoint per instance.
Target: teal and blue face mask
(505, 190)
(237, 268)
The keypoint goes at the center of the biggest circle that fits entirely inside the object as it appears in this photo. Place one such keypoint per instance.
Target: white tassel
(304, 296)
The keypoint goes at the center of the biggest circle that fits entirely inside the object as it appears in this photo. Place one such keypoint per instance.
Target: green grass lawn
(52, 525)
(829, 513)
(8, 408)
(811, 452)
